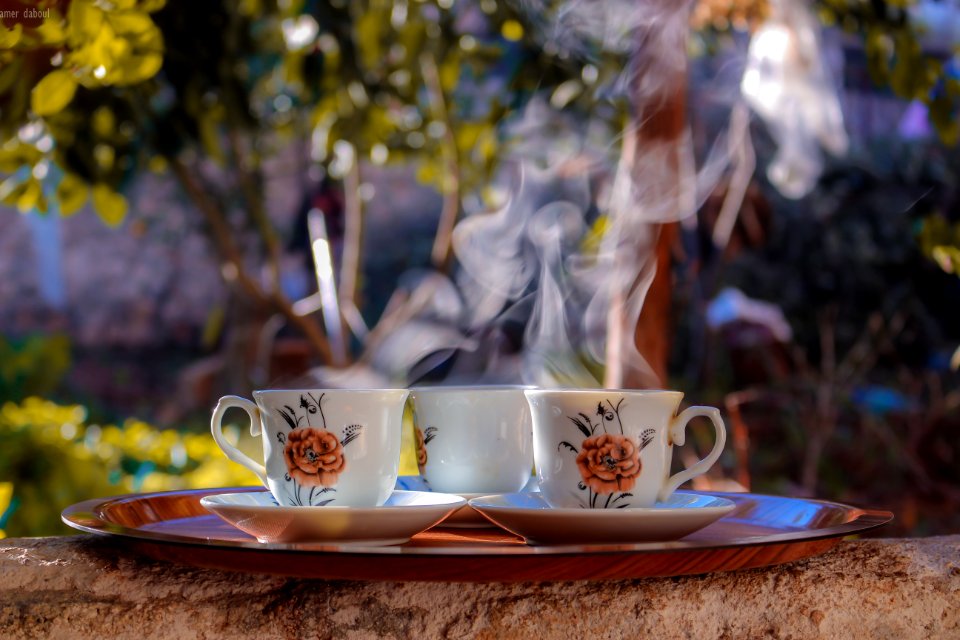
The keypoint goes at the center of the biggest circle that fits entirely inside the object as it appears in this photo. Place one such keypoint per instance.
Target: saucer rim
(724, 506)
(457, 502)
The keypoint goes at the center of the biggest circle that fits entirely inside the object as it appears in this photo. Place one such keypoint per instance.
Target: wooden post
(659, 127)
(666, 122)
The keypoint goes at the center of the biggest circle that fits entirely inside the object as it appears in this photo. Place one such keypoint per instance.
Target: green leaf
(109, 205)
(10, 73)
(53, 93)
(72, 193)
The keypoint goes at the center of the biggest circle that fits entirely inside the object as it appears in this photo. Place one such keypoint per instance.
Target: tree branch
(352, 233)
(250, 183)
(440, 254)
(230, 253)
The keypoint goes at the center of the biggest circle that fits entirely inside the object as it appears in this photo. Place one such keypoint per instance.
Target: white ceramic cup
(322, 447)
(473, 439)
(611, 449)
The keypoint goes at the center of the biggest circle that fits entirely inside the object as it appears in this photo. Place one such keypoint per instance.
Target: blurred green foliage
(896, 59)
(94, 90)
(32, 366)
(52, 457)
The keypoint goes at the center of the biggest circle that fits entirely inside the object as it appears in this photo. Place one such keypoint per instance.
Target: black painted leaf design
(282, 437)
(324, 503)
(622, 506)
(287, 477)
(289, 416)
(646, 438)
(581, 486)
(351, 433)
(429, 434)
(584, 429)
(566, 444)
(621, 496)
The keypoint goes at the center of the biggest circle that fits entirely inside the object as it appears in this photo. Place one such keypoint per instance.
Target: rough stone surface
(79, 587)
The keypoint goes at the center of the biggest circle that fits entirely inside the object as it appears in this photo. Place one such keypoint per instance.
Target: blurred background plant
(52, 457)
(203, 139)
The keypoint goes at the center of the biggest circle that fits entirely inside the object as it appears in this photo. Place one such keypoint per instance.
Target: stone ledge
(82, 587)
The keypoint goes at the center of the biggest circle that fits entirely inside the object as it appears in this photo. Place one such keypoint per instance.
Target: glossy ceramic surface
(528, 515)
(761, 530)
(473, 439)
(322, 447)
(612, 448)
(402, 516)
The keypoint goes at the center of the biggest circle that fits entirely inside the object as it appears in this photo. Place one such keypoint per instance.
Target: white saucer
(405, 514)
(528, 515)
(466, 517)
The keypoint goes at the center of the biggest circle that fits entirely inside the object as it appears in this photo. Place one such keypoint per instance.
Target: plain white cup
(611, 449)
(473, 439)
(322, 447)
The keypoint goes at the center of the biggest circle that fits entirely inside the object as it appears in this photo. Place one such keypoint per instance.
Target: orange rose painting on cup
(608, 461)
(313, 454)
(423, 439)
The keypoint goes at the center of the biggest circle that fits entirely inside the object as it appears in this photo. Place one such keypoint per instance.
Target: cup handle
(216, 427)
(678, 435)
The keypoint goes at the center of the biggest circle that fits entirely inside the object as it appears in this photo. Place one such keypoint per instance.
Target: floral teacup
(473, 439)
(322, 447)
(611, 449)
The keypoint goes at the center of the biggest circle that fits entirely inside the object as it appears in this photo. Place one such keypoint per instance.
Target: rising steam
(588, 295)
(572, 251)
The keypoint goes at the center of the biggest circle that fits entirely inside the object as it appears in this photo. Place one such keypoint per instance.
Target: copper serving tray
(763, 530)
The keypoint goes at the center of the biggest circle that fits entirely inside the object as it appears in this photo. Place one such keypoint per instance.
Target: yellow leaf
(512, 30)
(130, 22)
(370, 29)
(157, 164)
(10, 73)
(51, 30)
(209, 129)
(109, 205)
(84, 21)
(53, 93)
(103, 121)
(18, 155)
(450, 73)
(11, 190)
(6, 495)
(107, 49)
(10, 37)
(31, 196)
(139, 68)
(152, 5)
(72, 194)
